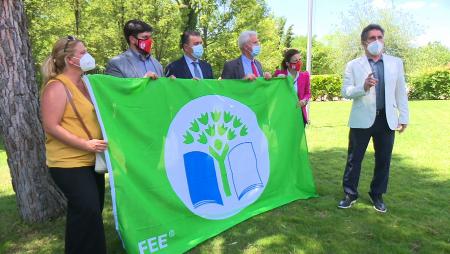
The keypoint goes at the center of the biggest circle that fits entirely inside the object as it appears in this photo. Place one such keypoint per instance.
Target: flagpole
(309, 47)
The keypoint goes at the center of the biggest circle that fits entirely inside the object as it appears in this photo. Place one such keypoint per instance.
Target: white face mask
(87, 62)
(375, 48)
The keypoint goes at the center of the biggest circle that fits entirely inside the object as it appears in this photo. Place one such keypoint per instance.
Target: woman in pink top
(291, 66)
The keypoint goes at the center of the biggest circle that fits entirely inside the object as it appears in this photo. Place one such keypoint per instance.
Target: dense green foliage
(433, 85)
(99, 23)
(326, 87)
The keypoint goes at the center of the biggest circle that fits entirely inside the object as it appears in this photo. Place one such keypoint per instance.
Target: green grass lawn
(418, 199)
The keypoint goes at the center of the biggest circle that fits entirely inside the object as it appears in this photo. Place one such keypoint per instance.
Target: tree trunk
(77, 9)
(38, 199)
(189, 14)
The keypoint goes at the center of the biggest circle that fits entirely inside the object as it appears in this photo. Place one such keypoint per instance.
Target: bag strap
(69, 97)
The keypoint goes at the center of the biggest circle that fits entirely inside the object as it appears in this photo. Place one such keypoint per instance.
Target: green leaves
(194, 126)
(216, 116)
(188, 138)
(237, 122)
(211, 130)
(227, 117)
(222, 129)
(244, 131)
(203, 119)
(202, 139)
(231, 135)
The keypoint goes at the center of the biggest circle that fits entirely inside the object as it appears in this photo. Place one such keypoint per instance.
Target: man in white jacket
(376, 83)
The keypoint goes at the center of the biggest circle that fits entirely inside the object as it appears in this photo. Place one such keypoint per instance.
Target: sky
(432, 16)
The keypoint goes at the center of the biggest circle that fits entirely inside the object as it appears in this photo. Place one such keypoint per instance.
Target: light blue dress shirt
(378, 73)
(247, 64)
(191, 66)
(145, 63)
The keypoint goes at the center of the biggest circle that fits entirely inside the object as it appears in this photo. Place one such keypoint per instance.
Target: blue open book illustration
(244, 169)
(201, 179)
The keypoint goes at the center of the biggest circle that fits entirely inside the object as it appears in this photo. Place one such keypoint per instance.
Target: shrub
(326, 87)
(433, 85)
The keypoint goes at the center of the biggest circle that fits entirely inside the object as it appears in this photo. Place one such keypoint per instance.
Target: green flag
(189, 159)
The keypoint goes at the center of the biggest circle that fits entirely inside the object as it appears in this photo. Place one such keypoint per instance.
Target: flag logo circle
(216, 157)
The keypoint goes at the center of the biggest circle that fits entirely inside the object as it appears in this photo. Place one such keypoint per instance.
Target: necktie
(255, 71)
(196, 70)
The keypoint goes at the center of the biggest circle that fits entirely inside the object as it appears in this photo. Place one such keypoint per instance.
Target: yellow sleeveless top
(58, 153)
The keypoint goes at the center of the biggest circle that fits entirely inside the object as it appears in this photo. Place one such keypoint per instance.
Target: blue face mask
(197, 51)
(256, 50)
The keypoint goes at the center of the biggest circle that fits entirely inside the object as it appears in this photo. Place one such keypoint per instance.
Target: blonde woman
(71, 144)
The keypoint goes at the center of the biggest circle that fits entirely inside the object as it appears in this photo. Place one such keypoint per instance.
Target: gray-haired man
(246, 66)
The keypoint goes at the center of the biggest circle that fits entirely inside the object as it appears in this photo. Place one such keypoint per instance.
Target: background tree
(37, 197)
(321, 55)
(289, 37)
(427, 57)
(400, 29)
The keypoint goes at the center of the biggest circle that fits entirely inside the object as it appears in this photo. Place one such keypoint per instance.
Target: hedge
(433, 85)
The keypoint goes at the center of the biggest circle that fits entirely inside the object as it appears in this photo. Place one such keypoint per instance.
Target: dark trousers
(383, 142)
(85, 192)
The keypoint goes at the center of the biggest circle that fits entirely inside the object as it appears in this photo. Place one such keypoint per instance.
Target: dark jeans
(383, 142)
(85, 192)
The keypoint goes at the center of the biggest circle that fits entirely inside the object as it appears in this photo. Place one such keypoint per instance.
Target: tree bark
(38, 199)
(77, 9)
(190, 14)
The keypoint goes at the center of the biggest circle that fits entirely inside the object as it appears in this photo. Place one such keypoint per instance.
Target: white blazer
(364, 103)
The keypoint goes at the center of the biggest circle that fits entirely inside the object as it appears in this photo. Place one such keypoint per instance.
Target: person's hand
(401, 128)
(151, 75)
(267, 75)
(302, 103)
(370, 81)
(96, 145)
(172, 77)
(250, 77)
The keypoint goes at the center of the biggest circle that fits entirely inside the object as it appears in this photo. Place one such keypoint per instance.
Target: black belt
(380, 112)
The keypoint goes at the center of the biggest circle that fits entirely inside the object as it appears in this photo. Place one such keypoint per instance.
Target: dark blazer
(180, 69)
(234, 69)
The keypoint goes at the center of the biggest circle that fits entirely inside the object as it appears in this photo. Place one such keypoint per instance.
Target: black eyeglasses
(69, 38)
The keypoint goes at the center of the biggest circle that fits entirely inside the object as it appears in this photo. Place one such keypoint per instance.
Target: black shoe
(378, 203)
(348, 201)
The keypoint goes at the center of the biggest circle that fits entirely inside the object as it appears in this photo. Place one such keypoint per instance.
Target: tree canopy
(100, 24)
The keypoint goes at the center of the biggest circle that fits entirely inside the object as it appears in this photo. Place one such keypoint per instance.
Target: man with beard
(137, 61)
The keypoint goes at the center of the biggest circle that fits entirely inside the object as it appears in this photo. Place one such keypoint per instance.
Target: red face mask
(145, 45)
(296, 66)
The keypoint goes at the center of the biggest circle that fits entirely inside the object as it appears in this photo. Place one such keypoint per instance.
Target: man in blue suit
(189, 65)
(246, 66)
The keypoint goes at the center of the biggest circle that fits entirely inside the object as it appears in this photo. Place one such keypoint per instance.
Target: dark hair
(185, 37)
(134, 27)
(287, 57)
(367, 29)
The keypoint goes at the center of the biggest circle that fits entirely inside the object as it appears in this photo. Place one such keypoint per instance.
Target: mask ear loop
(248, 49)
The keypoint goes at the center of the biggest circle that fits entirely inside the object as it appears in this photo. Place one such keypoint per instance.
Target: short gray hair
(244, 37)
